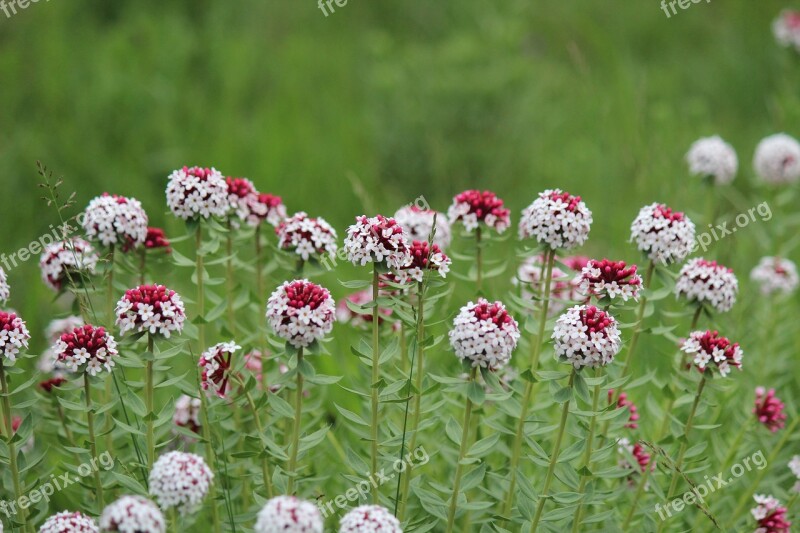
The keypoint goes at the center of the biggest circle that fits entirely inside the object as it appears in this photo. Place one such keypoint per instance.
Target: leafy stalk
(451, 514)
(298, 413)
(12, 445)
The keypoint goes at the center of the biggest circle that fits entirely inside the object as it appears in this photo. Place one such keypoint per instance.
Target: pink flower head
(770, 515)
(301, 312)
(65, 260)
(288, 514)
(180, 480)
(345, 314)
(156, 238)
(775, 275)
(424, 257)
(87, 349)
(196, 192)
(251, 207)
(132, 514)
(187, 413)
(564, 286)
(610, 279)
(267, 208)
(13, 336)
(706, 282)
(216, 365)
(484, 334)
(377, 240)
(769, 409)
(369, 519)
(67, 522)
(662, 234)
(49, 384)
(153, 309)
(307, 237)
(473, 207)
(643, 459)
(777, 159)
(418, 223)
(557, 220)
(576, 262)
(707, 347)
(623, 402)
(786, 28)
(586, 336)
(115, 221)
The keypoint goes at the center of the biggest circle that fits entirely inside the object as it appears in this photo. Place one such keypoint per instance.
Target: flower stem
(12, 446)
(261, 297)
(375, 375)
(478, 261)
(109, 426)
(260, 428)
(148, 402)
(92, 444)
(210, 458)
(587, 457)
(298, 413)
(638, 328)
(229, 280)
(451, 515)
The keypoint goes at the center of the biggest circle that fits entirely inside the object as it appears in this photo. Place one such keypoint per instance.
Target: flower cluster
(777, 159)
(195, 192)
(115, 221)
(288, 514)
(216, 365)
(67, 522)
(345, 314)
(775, 275)
(706, 282)
(87, 349)
(556, 219)
(156, 238)
(610, 279)
(268, 208)
(424, 257)
(377, 240)
(708, 346)
(586, 336)
(418, 224)
(242, 195)
(643, 459)
(786, 28)
(187, 413)
(154, 309)
(564, 287)
(484, 334)
(13, 336)
(369, 519)
(60, 261)
(662, 234)
(473, 207)
(49, 361)
(306, 236)
(794, 466)
(180, 480)
(132, 514)
(769, 409)
(712, 157)
(49, 384)
(623, 402)
(5, 290)
(301, 312)
(769, 515)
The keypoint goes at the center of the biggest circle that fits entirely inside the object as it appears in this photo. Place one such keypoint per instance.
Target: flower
(287, 514)
(49, 362)
(13, 336)
(704, 281)
(197, 193)
(132, 514)
(67, 522)
(377, 240)
(786, 28)
(564, 287)
(794, 466)
(5, 291)
(473, 207)
(216, 365)
(242, 196)
(642, 458)
(156, 238)
(556, 219)
(418, 223)
(775, 274)
(712, 157)
(49, 384)
(369, 519)
(576, 262)
(622, 402)
(60, 261)
(187, 413)
(306, 236)
(180, 480)
(769, 515)
(268, 208)
(424, 257)
(777, 159)
(662, 234)
(485, 334)
(586, 336)
(708, 347)
(769, 409)
(115, 221)
(610, 279)
(345, 314)
(301, 312)
(88, 349)
(154, 309)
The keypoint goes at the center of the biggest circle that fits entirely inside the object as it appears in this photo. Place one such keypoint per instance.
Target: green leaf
(453, 430)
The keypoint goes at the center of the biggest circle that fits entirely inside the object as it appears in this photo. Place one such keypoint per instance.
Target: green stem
(638, 328)
(148, 402)
(210, 458)
(173, 514)
(261, 297)
(375, 375)
(12, 446)
(229, 280)
(265, 472)
(298, 413)
(451, 515)
(479, 261)
(587, 457)
(92, 444)
(201, 296)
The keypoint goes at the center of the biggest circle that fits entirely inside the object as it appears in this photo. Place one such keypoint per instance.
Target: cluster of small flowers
(564, 288)
(195, 192)
(713, 157)
(424, 257)
(49, 384)
(794, 466)
(116, 221)
(132, 514)
(586, 336)
(704, 281)
(769, 514)
(769, 409)
(345, 314)
(473, 207)
(623, 402)
(708, 346)
(556, 219)
(301, 312)
(61, 260)
(377, 240)
(775, 274)
(269, 208)
(187, 413)
(88, 349)
(306, 236)
(252, 207)
(663, 234)
(152, 309)
(643, 459)
(485, 334)
(13, 336)
(369, 519)
(786, 28)
(216, 365)
(418, 224)
(5, 290)
(288, 514)
(67, 522)
(49, 362)
(609, 279)
(180, 480)
(156, 238)
(777, 159)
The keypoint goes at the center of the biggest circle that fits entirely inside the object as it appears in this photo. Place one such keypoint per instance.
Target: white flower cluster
(287, 514)
(585, 336)
(49, 362)
(180, 480)
(87, 349)
(5, 290)
(777, 159)
(663, 234)
(152, 309)
(786, 28)
(704, 281)
(132, 514)
(67, 522)
(712, 156)
(705, 347)
(775, 274)
(307, 236)
(766, 505)
(377, 240)
(556, 219)
(610, 279)
(115, 220)
(13, 335)
(60, 260)
(794, 466)
(301, 312)
(197, 192)
(418, 223)
(369, 519)
(187, 412)
(424, 258)
(485, 334)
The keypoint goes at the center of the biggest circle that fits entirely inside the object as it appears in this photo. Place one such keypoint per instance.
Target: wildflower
(769, 409)
(786, 28)
(418, 224)
(49, 384)
(623, 402)
(702, 281)
(13, 337)
(369, 519)
(187, 413)
(662, 234)
(775, 274)
(707, 348)
(564, 287)
(152, 309)
(87, 349)
(586, 336)
(769, 515)
(473, 207)
(216, 365)
(556, 219)
(610, 279)
(65, 260)
(288, 514)
(424, 257)
(156, 238)
(132, 514)
(115, 221)
(377, 240)
(307, 237)
(777, 159)
(268, 208)
(180, 480)
(712, 157)
(640, 455)
(49, 361)
(195, 192)
(484, 334)
(67, 522)
(301, 312)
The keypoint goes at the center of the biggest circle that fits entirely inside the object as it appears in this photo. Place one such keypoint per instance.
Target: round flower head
(418, 224)
(424, 257)
(156, 238)
(706, 282)
(307, 237)
(187, 413)
(5, 291)
(345, 314)
(153, 309)
(301, 312)
(473, 207)
(623, 402)
(777, 159)
(242, 195)
(713, 158)
(49, 361)
(197, 193)
(775, 275)
(180, 480)
(586, 336)
(267, 208)
(216, 365)
(484, 334)
(287, 514)
(51, 383)
(662, 234)
(639, 454)
(610, 279)
(369, 519)
(115, 221)
(87, 349)
(377, 240)
(556, 219)
(709, 350)
(786, 28)
(794, 466)
(769, 515)
(564, 287)
(67, 522)
(132, 514)
(13, 336)
(769, 409)
(65, 260)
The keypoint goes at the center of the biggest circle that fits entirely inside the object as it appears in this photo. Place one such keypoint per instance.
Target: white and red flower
(307, 237)
(67, 259)
(418, 223)
(424, 257)
(132, 514)
(713, 157)
(180, 480)
(662, 234)
(769, 409)
(707, 282)
(301, 312)
(13, 336)
(216, 365)
(786, 28)
(288, 514)
(775, 275)
(585, 336)
(369, 519)
(187, 413)
(345, 314)
(556, 219)
(377, 240)
(87, 349)
(484, 334)
(610, 279)
(155, 239)
(196, 192)
(115, 221)
(770, 515)
(69, 522)
(152, 309)
(267, 208)
(5, 290)
(777, 159)
(709, 350)
(49, 362)
(640, 455)
(622, 403)
(474, 207)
